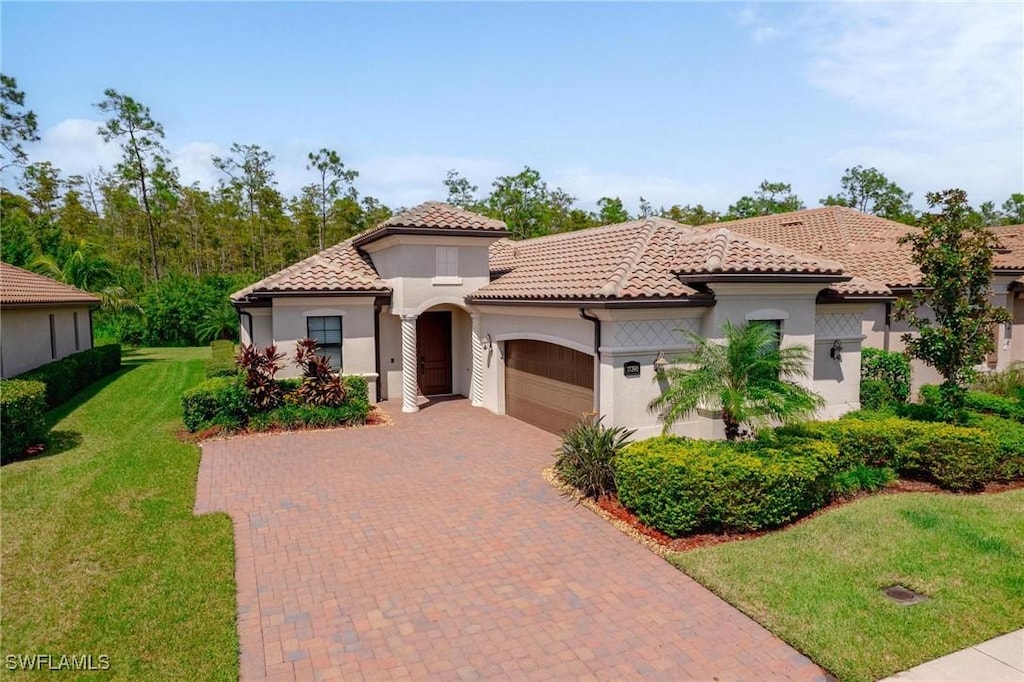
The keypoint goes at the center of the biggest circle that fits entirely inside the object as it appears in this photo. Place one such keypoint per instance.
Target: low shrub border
(22, 410)
(222, 359)
(681, 486)
(65, 377)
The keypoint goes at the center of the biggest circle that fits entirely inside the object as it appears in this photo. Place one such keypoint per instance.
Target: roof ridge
(716, 254)
(620, 277)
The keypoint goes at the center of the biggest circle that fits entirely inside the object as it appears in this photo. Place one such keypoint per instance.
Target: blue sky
(678, 102)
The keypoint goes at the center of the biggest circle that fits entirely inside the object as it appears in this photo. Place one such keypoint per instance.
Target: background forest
(164, 256)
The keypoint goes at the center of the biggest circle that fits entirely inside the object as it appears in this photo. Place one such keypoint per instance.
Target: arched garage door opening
(547, 385)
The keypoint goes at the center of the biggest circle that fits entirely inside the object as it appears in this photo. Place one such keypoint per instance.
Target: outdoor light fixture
(836, 351)
(487, 342)
(660, 363)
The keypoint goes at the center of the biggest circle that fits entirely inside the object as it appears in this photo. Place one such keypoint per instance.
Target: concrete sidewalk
(996, 660)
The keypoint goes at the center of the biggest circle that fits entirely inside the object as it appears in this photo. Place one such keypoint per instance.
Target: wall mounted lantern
(836, 351)
(660, 363)
(487, 342)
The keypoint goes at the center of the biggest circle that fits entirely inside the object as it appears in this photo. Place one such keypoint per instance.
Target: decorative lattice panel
(651, 333)
(841, 326)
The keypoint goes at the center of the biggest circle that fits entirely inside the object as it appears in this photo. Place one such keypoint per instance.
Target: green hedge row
(22, 411)
(65, 377)
(224, 401)
(955, 457)
(978, 401)
(683, 486)
(222, 359)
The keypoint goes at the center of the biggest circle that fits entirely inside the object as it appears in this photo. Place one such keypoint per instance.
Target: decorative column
(476, 385)
(409, 364)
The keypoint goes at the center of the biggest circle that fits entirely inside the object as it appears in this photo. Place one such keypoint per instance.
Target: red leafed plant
(320, 385)
(260, 367)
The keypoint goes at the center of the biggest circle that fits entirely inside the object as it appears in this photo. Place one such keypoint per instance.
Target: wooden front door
(434, 352)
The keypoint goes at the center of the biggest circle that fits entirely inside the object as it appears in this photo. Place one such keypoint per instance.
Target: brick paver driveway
(433, 548)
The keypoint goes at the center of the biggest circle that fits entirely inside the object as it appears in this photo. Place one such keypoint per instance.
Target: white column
(476, 386)
(409, 364)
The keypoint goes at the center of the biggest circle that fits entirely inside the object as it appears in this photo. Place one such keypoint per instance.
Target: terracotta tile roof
(647, 258)
(434, 215)
(21, 287)
(866, 245)
(1011, 256)
(339, 268)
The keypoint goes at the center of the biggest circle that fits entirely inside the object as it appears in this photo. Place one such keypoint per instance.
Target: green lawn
(817, 584)
(101, 552)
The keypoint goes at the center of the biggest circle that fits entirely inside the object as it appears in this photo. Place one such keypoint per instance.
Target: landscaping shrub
(259, 368)
(222, 359)
(309, 416)
(320, 385)
(1010, 436)
(864, 439)
(22, 410)
(680, 486)
(862, 478)
(585, 457)
(955, 457)
(885, 378)
(978, 401)
(218, 401)
(65, 377)
(1008, 383)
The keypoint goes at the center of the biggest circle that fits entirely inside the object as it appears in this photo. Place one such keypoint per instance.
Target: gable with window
(326, 331)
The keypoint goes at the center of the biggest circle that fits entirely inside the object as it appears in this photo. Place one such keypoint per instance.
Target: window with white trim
(326, 331)
(447, 260)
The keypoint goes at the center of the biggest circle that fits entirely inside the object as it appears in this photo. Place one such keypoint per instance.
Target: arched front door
(434, 352)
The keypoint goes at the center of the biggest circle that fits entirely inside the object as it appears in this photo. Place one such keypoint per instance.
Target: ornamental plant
(320, 385)
(260, 368)
(955, 257)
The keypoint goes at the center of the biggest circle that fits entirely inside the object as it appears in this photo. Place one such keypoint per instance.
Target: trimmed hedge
(65, 377)
(221, 401)
(955, 457)
(222, 359)
(885, 378)
(682, 486)
(978, 401)
(224, 401)
(22, 410)
(1010, 436)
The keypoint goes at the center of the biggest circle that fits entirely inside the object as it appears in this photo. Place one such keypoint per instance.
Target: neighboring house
(868, 248)
(436, 301)
(41, 320)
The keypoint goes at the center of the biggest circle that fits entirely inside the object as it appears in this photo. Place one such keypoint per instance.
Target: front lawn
(101, 552)
(817, 584)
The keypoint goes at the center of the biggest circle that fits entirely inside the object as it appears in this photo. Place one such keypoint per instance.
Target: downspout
(377, 307)
(92, 335)
(597, 355)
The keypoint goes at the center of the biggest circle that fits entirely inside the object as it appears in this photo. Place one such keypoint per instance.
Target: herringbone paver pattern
(434, 549)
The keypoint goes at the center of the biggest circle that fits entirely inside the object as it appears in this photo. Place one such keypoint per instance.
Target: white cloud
(938, 64)
(588, 186)
(75, 147)
(761, 30)
(195, 163)
(947, 79)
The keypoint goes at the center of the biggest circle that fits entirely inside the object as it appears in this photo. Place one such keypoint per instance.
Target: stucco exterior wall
(25, 336)
(407, 263)
(837, 379)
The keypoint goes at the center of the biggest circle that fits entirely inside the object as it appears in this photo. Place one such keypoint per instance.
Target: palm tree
(82, 265)
(748, 379)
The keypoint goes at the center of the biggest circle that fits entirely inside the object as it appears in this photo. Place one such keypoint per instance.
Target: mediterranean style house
(437, 301)
(41, 320)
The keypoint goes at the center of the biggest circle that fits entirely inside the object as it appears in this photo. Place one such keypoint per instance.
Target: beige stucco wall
(407, 263)
(25, 336)
(640, 334)
(1017, 331)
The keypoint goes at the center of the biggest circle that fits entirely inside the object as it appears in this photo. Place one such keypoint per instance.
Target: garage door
(547, 385)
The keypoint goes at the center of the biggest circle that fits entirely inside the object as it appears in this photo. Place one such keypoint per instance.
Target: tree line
(121, 232)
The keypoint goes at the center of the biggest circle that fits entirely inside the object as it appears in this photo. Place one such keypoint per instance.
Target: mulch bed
(612, 510)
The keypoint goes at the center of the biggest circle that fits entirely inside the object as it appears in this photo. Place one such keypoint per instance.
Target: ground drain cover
(903, 596)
